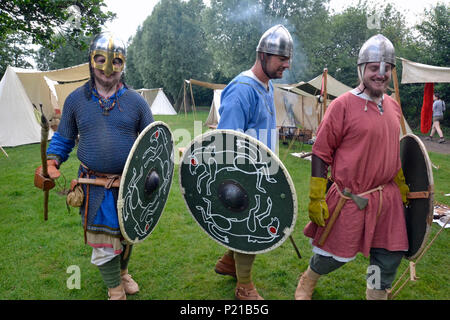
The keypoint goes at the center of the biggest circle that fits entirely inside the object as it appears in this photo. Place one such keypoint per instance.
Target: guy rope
(412, 268)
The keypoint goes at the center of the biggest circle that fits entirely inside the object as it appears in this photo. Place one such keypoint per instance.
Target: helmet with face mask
(110, 47)
(377, 49)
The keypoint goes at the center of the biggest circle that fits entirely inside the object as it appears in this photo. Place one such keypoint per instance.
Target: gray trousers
(380, 273)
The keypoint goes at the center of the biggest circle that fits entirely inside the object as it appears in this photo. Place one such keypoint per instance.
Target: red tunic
(363, 150)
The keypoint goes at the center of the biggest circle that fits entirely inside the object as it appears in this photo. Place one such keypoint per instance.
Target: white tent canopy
(292, 108)
(214, 116)
(64, 89)
(185, 100)
(334, 87)
(413, 72)
(295, 108)
(158, 101)
(21, 88)
(18, 123)
(36, 84)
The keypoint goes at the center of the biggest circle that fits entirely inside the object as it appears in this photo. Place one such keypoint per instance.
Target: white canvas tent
(214, 116)
(185, 101)
(64, 89)
(18, 124)
(36, 84)
(158, 101)
(334, 87)
(413, 72)
(292, 108)
(295, 108)
(21, 88)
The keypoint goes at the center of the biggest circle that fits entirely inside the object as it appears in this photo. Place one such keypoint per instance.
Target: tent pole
(397, 97)
(317, 110)
(192, 98)
(3, 150)
(324, 78)
(184, 99)
(303, 112)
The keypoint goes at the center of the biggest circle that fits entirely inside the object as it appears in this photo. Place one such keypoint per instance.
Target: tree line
(188, 39)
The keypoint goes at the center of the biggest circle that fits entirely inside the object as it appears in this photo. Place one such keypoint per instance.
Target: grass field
(176, 261)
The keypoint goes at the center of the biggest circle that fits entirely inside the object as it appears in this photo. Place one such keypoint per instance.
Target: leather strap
(319, 168)
(418, 195)
(109, 182)
(421, 194)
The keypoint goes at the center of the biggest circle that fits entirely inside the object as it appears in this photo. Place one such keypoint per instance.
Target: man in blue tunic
(247, 105)
(107, 117)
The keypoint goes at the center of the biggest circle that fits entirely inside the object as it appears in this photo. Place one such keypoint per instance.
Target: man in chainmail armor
(107, 117)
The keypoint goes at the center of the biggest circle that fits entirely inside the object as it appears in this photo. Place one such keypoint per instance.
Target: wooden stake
(44, 140)
(184, 98)
(397, 97)
(3, 150)
(192, 98)
(324, 79)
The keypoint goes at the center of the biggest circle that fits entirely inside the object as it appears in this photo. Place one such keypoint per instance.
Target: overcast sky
(132, 13)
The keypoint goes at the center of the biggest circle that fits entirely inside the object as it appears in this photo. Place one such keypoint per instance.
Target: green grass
(176, 261)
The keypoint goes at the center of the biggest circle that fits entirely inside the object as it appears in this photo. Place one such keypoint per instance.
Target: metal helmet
(377, 49)
(110, 47)
(276, 40)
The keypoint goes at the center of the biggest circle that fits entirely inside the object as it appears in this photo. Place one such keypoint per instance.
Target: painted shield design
(238, 191)
(146, 182)
(416, 167)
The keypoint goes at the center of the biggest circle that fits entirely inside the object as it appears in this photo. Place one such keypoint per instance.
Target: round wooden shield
(146, 182)
(416, 167)
(238, 191)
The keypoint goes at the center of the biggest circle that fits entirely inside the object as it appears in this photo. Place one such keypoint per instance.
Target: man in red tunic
(359, 139)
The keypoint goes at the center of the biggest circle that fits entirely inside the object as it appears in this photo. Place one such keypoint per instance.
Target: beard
(273, 74)
(107, 84)
(270, 73)
(375, 91)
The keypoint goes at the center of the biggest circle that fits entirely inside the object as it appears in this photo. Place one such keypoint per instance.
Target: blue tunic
(247, 106)
(104, 144)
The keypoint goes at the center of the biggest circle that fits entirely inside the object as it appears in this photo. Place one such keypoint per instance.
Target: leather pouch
(75, 196)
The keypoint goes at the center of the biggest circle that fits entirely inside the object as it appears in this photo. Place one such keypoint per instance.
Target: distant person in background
(438, 115)
(247, 105)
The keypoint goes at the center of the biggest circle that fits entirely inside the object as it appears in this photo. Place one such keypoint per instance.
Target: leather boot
(246, 291)
(117, 293)
(226, 266)
(375, 294)
(130, 286)
(306, 285)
